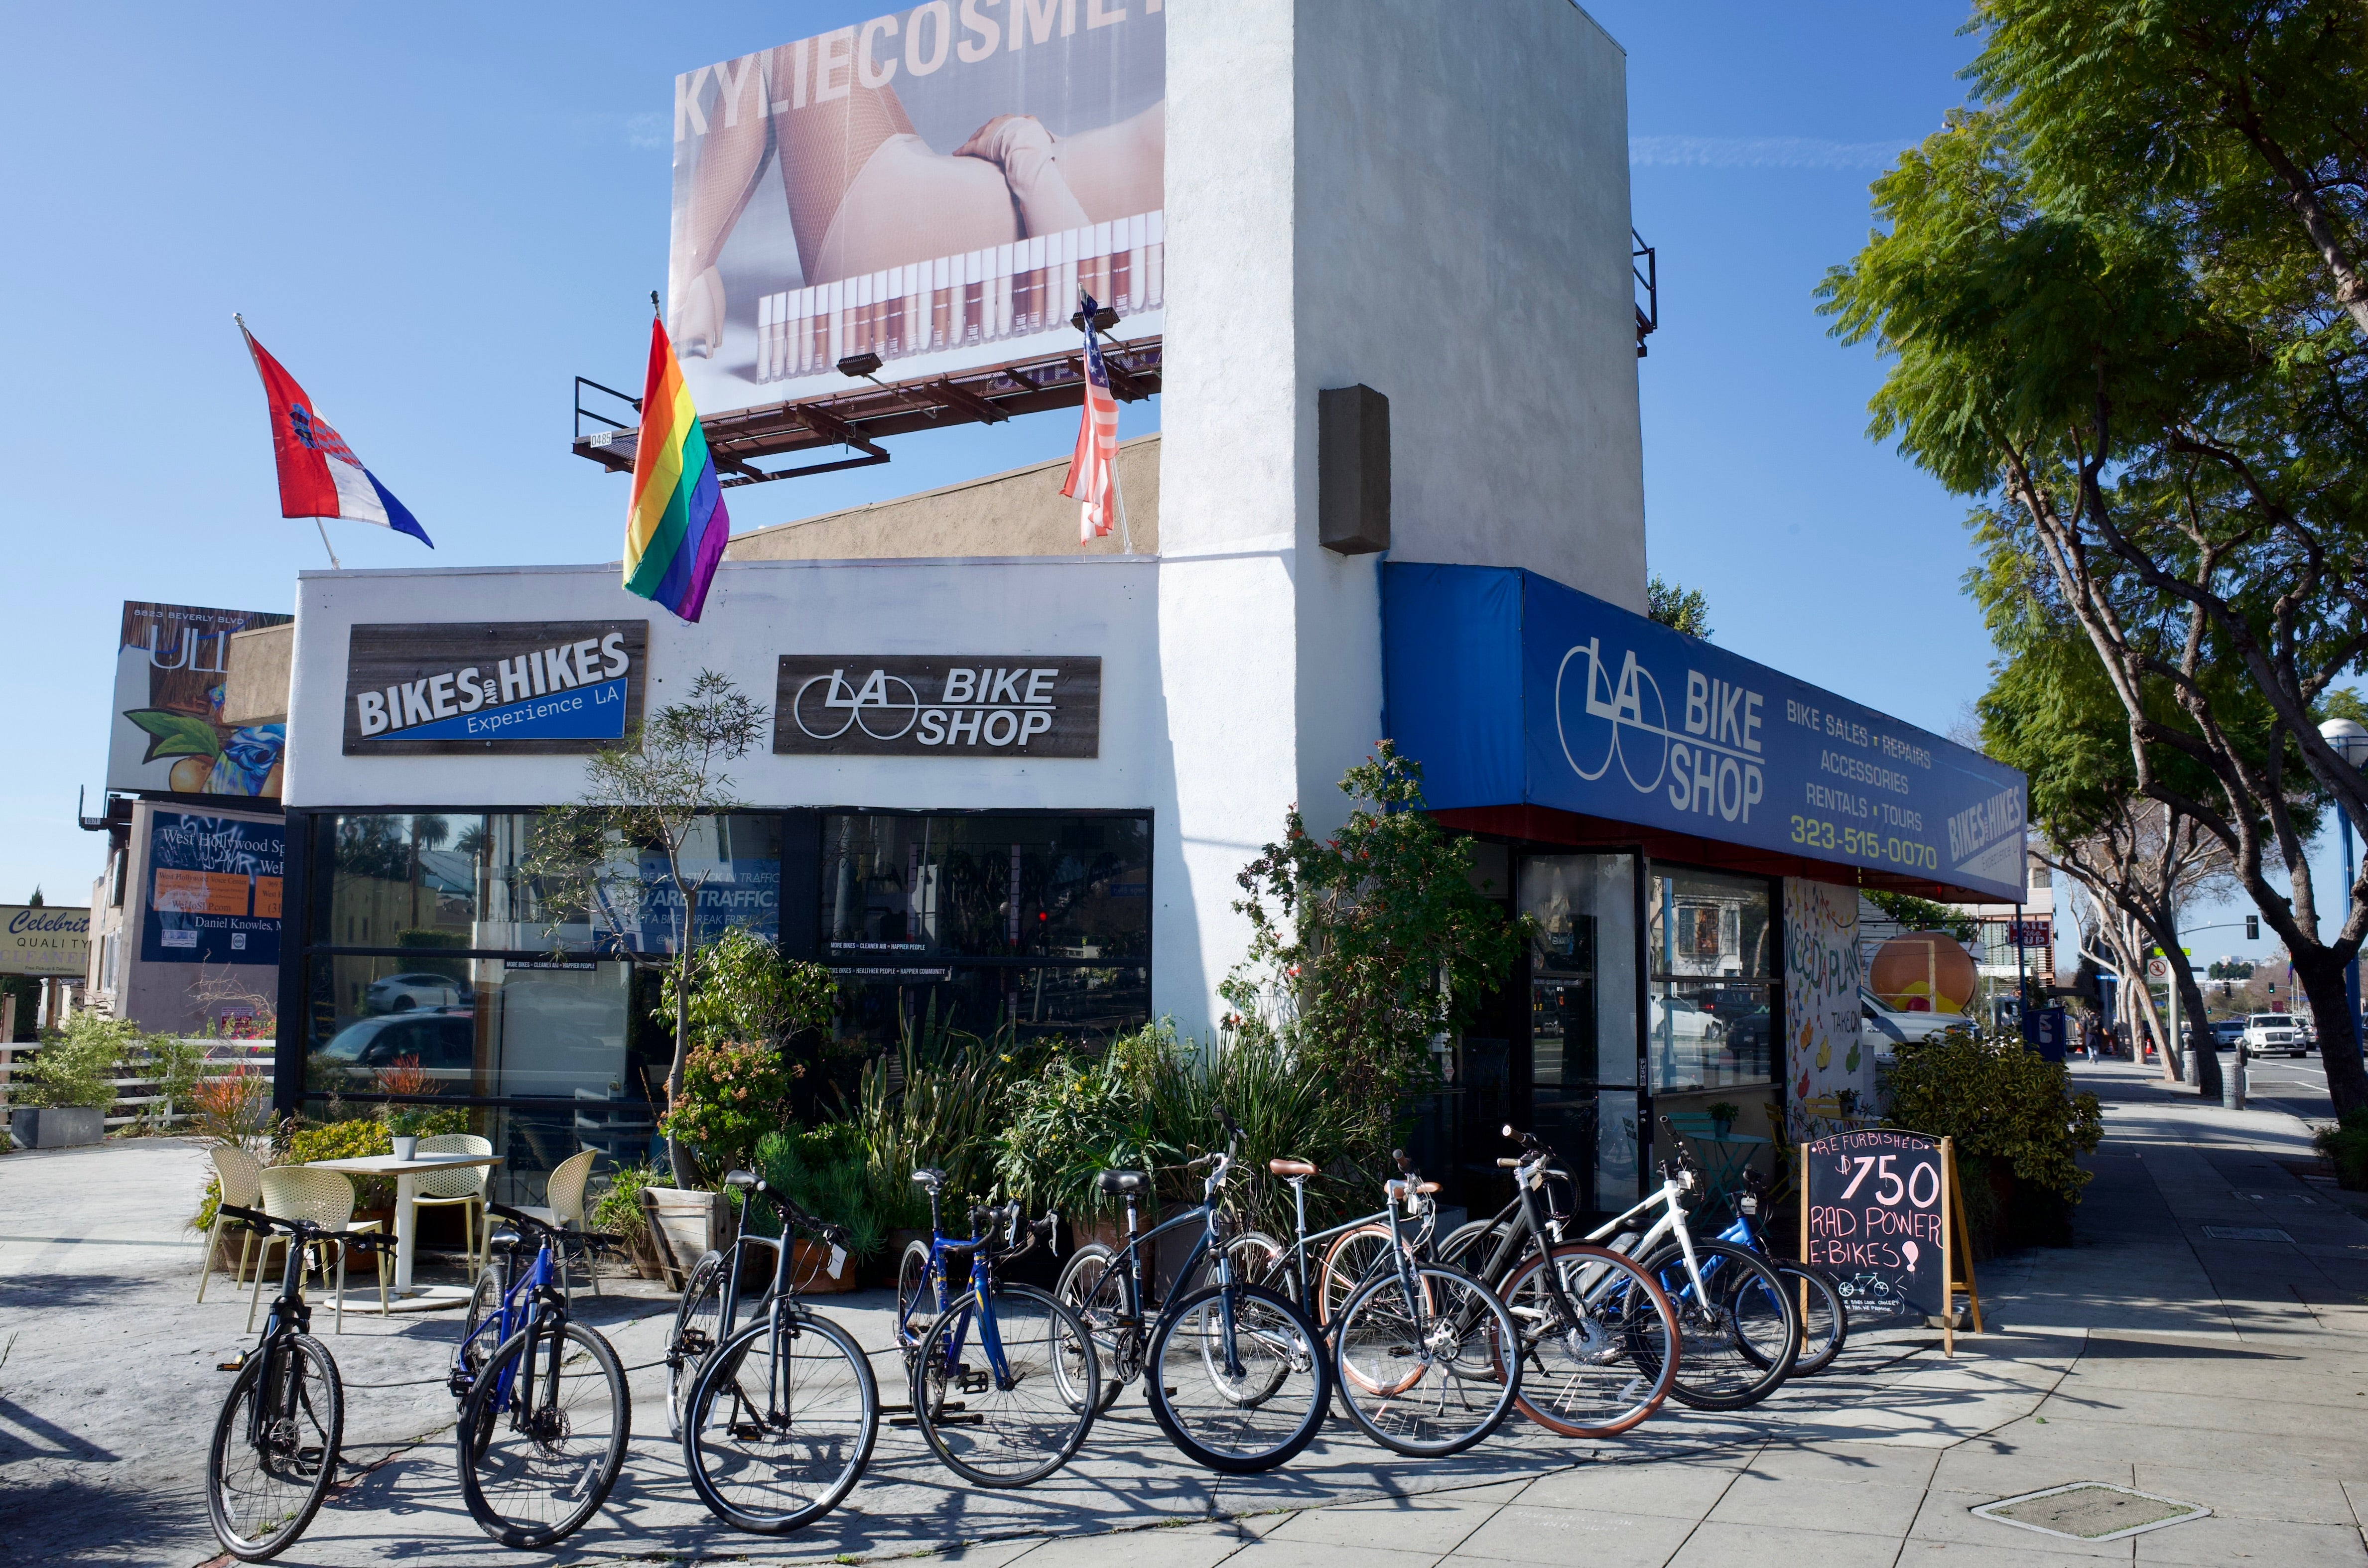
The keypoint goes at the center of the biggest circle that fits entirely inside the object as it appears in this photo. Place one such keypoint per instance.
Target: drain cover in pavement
(2091, 1510)
(2245, 1234)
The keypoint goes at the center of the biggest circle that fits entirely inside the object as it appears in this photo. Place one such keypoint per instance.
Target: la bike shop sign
(969, 705)
(1872, 1213)
(527, 686)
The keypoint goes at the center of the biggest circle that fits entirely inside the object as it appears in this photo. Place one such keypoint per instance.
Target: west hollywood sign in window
(457, 687)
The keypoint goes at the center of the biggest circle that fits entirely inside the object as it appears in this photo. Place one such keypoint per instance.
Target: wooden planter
(685, 1226)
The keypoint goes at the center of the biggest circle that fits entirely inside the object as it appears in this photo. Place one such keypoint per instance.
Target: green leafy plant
(732, 1095)
(936, 1100)
(1367, 946)
(619, 1211)
(743, 989)
(2001, 1100)
(1678, 609)
(2346, 1146)
(826, 1171)
(77, 1064)
(1723, 1112)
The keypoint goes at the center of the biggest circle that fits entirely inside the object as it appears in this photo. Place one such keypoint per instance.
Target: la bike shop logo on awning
(537, 686)
(1016, 705)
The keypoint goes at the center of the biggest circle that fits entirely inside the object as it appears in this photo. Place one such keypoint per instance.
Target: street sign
(2157, 968)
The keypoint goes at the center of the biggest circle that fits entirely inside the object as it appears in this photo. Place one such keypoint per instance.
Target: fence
(136, 1098)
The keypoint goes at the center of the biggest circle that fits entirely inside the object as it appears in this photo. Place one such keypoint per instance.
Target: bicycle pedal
(746, 1431)
(237, 1363)
(975, 1383)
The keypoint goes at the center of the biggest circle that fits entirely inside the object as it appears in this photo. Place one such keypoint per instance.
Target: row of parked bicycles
(1427, 1342)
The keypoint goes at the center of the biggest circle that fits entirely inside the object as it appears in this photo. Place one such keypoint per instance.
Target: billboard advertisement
(934, 186)
(171, 664)
(40, 938)
(214, 890)
(1511, 688)
(468, 688)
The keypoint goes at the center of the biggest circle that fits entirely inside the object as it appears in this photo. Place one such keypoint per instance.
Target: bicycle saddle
(1122, 1181)
(1290, 1167)
(929, 1176)
(504, 1241)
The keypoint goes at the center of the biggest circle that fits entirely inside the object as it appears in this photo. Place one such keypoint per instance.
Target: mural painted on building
(1823, 1055)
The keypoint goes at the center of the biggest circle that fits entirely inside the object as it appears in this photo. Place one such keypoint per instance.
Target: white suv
(2268, 1033)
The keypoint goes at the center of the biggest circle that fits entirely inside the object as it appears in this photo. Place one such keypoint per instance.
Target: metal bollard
(2232, 1083)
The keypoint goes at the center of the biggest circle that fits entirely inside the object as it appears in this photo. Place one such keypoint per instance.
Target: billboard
(171, 663)
(40, 938)
(934, 186)
(1511, 688)
(214, 890)
(466, 687)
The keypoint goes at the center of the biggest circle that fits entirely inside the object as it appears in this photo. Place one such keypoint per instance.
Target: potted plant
(1722, 1117)
(64, 1093)
(406, 1080)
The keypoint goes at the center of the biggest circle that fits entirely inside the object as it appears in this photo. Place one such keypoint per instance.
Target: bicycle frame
(519, 1306)
(974, 1304)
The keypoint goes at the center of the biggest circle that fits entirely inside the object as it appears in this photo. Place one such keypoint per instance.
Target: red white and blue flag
(1093, 467)
(319, 476)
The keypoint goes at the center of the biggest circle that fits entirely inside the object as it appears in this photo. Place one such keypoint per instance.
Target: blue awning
(1511, 689)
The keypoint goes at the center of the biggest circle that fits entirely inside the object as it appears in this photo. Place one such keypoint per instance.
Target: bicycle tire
(1049, 1432)
(288, 1509)
(534, 1466)
(478, 1341)
(697, 1321)
(1091, 1288)
(713, 1450)
(1825, 1326)
(1277, 1328)
(1737, 1348)
(1605, 1374)
(912, 1279)
(1260, 1259)
(1352, 1259)
(1384, 1330)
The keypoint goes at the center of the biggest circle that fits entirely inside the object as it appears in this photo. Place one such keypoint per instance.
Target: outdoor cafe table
(406, 1175)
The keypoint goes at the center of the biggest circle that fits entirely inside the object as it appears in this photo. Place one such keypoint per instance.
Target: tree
(1679, 610)
(2165, 430)
(1367, 946)
(654, 791)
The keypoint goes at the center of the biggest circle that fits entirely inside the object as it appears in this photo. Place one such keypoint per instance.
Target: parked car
(2226, 1032)
(1881, 1027)
(443, 1041)
(406, 992)
(2267, 1034)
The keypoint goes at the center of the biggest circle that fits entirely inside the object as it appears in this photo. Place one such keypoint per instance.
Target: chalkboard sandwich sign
(1881, 1212)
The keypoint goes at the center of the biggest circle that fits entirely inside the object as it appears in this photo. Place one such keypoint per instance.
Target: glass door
(1585, 1046)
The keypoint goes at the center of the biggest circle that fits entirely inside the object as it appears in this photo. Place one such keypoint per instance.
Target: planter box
(810, 1270)
(57, 1127)
(687, 1225)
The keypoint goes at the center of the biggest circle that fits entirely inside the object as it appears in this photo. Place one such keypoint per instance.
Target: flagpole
(334, 564)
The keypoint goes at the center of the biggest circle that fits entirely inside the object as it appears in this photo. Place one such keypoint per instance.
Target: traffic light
(2252, 927)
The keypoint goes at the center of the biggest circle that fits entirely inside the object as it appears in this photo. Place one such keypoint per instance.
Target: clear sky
(437, 215)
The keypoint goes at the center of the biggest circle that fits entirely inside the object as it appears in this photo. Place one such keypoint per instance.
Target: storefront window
(1583, 1018)
(1714, 994)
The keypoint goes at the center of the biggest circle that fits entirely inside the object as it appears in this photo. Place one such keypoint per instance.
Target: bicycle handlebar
(787, 1207)
(257, 1219)
(557, 1232)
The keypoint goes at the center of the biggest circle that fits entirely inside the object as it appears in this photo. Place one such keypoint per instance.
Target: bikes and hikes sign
(1879, 1211)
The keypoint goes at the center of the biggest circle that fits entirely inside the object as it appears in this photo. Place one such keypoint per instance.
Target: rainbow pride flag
(676, 525)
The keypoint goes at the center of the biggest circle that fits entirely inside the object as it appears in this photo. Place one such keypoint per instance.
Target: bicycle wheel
(1270, 1406)
(1424, 1370)
(1469, 1246)
(1353, 1258)
(275, 1447)
(480, 1334)
(916, 1305)
(1599, 1372)
(1737, 1335)
(1825, 1317)
(543, 1434)
(1090, 1287)
(1018, 1398)
(779, 1427)
(1260, 1259)
(697, 1325)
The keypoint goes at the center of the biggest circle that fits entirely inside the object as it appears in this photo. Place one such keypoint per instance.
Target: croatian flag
(319, 476)
(1093, 467)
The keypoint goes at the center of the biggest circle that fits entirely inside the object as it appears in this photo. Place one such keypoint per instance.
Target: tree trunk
(2199, 1028)
(2321, 978)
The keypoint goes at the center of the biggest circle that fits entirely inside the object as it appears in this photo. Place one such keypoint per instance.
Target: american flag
(1093, 467)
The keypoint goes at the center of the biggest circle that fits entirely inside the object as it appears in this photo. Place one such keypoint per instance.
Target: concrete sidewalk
(2224, 1371)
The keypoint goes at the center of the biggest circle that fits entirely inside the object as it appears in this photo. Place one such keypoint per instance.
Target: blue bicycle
(545, 1413)
(1025, 1406)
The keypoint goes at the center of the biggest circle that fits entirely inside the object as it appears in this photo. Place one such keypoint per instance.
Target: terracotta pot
(884, 1267)
(810, 1270)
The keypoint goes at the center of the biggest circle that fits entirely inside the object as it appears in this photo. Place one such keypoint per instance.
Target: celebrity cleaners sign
(550, 686)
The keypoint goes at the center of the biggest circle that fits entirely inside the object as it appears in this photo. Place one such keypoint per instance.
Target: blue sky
(437, 215)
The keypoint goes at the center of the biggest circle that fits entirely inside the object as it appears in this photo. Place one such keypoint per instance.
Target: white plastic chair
(464, 1184)
(566, 1189)
(239, 1177)
(326, 1198)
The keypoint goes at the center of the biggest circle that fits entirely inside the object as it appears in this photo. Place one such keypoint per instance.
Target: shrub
(619, 1213)
(742, 989)
(76, 1064)
(234, 1108)
(824, 1172)
(2345, 1145)
(2001, 1100)
(936, 1101)
(732, 1095)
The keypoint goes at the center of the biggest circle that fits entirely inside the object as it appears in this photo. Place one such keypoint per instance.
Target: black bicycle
(780, 1419)
(1817, 1294)
(275, 1446)
(1237, 1374)
(709, 1313)
(545, 1415)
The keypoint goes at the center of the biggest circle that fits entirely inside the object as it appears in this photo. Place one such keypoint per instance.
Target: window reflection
(1068, 1003)
(1714, 1001)
(1583, 1016)
(944, 886)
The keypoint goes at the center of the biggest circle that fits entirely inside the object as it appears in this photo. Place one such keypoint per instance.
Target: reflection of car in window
(444, 1043)
(406, 992)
